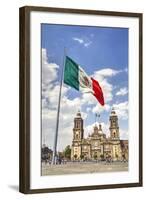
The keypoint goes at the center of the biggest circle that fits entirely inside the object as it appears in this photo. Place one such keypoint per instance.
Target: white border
(132, 176)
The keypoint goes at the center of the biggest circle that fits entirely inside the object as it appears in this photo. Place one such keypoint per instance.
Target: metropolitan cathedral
(97, 145)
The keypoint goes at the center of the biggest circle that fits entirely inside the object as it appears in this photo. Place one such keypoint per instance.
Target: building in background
(97, 146)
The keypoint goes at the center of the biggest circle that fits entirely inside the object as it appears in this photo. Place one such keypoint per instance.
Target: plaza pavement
(83, 167)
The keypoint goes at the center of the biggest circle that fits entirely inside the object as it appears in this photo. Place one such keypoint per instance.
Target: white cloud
(107, 72)
(124, 134)
(86, 44)
(99, 109)
(68, 111)
(107, 90)
(122, 110)
(88, 99)
(84, 41)
(49, 70)
(122, 92)
(80, 40)
(88, 109)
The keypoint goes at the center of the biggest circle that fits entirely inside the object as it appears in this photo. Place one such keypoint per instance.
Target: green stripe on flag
(71, 73)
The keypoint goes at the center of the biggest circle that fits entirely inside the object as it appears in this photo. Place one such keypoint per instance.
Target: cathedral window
(114, 134)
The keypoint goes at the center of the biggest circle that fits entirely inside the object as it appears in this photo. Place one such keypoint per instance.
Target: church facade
(97, 146)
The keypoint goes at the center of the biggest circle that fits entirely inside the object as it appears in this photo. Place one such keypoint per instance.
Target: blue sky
(103, 53)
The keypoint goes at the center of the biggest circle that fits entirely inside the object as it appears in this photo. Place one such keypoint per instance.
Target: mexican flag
(77, 78)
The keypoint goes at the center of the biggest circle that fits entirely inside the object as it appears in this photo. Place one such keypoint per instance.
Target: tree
(61, 155)
(46, 153)
(67, 152)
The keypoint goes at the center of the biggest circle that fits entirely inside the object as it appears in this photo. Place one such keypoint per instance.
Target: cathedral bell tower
(78, 134)
(114, 126)
(78, 131)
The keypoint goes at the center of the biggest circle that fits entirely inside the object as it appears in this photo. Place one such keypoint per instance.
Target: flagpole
(54, 157)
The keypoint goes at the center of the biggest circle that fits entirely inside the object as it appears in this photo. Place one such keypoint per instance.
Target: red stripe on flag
(97, 91)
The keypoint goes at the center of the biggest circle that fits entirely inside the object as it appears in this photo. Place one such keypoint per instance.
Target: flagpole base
(54, 160)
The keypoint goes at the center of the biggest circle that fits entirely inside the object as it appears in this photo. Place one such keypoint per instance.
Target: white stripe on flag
(85, 82)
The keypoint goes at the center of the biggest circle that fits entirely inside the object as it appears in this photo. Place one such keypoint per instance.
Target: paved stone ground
(78, 168)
